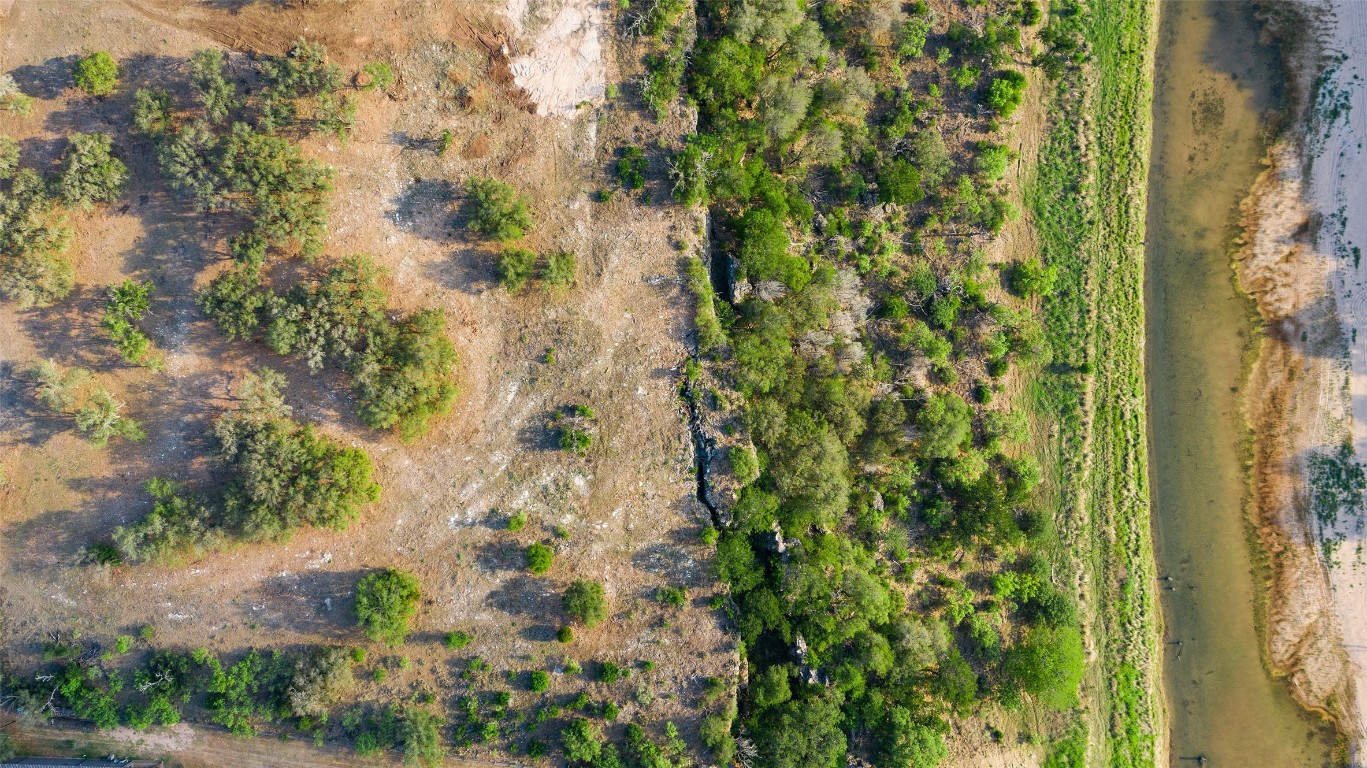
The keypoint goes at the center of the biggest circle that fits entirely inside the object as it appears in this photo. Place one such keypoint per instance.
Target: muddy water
(1215, 83)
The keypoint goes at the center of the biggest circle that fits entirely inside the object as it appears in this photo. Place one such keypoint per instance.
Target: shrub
(102, 417)
(518, 521)
(584, 601)
(12, 99)
(631, 167)
(420, 734)
(403, 378)
(899, 182)
(126, 305)
(9, 157)
(539, 558)
(539, 681)
(90, 172)
(152, 112)
(385, 602)
(1032, 278)
(581, 741)
(676, 597)
(97, 74)
(516, 266)
(319, 680)
(1048, 663)
(496, 210)
(565, 634)
(213, 91)
(457, 640)
(1005, 92)
(381, 76)
(560, 270)
(285, 474)
(744, 463)
(992, 160)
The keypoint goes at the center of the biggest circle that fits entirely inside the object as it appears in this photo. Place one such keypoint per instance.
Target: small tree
(1032, 278)
(559, 271)
(496, 210)
(539, 681)
(581, 740)
(9, 157)
(214, 91)
(90, 172)
(319, 681)
(385, 602)
(102, 417)
(516, 266)
(97, 74)
(1006, 91)
(379, 76)
(540, 557)
(584, 601)
(152, 112)
(12, 99)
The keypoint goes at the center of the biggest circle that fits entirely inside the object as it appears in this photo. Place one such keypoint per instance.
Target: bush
(631, 167)
(385, 602)
(584, 601)
(9, 157)
(102, 417)
(516, 266)
(676, 597)
(90, 172)
(1005, 92)
(560, 270)
(457, 640)
(213, 91)
(285, 474)
(1048, 663)
(403, 378)
(744, 463)
(319, 681)
(12, 99)
(539, 681)
(97, 74)
(539, 558)
(581, 741)
(1032, 278)
(518, 521)
(565, 634)
(899, 182)
(496, 210)
(126, 305)
(152, 112)
(381, 76)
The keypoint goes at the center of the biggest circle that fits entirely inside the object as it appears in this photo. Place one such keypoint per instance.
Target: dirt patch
(559, 61)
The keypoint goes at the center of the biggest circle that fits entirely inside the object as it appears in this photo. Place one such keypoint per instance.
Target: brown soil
(628, 510)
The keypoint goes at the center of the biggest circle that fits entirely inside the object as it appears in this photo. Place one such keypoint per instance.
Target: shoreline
(1306, 394)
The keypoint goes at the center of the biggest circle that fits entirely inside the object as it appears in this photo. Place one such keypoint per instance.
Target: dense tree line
(868, 352)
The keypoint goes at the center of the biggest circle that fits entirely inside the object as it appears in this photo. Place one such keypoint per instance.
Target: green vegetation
(457, 640)
(95, 411)
(13, 99)
(1091, 238)
(97, 73)
(126, 305)
(34, 238)
(90, 172)
(380, 76)
(385, 602)
(496, 210)
(540, 557)
(584, 601)
(281, 475)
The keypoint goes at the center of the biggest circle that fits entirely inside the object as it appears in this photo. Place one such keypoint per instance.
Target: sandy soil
(558, 58)
(1309, 390)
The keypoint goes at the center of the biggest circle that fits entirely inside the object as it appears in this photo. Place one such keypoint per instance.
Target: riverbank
(1089, 205)
(1307, 222)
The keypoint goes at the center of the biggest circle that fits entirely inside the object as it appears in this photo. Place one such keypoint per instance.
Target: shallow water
(1215, 83)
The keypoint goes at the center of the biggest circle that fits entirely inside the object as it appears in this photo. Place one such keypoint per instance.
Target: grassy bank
(1088, 203)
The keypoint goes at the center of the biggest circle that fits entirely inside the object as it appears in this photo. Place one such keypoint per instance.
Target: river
(1216, 82)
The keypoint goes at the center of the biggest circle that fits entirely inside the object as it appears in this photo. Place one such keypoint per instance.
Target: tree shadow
(47, 80)
(423, 208)
(314, 602)
(497, 556)
(526, 596)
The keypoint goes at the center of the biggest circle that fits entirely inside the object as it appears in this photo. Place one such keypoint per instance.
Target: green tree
(215, 93)
(540, 557)
(1032, 278)
(90, 172)
(9, 157)
(581, 741)
(516, 266)
(152, 112)
(102, 417)
(126, 305)
(946, 423)
(1006, 92)
(1048, 664)
(319, 681)
(403, 377)
(97, 74)
(385, 602)
(13, 99)
(899, 182)
(584, 601)
(496, 210)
